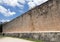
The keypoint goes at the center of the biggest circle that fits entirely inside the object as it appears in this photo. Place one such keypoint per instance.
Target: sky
(10, 9)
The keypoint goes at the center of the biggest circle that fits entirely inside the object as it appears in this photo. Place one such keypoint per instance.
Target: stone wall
(45, 17)
(45, 36)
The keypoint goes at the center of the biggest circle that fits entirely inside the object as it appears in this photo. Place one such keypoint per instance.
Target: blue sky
(10, 9)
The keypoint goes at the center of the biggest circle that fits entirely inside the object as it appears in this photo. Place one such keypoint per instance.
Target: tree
(0, 27)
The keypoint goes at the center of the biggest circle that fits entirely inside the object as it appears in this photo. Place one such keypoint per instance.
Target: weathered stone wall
(45, 17)
(45, 36)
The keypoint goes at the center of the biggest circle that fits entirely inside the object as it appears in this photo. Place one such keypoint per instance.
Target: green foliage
(0, 28)
(0, 25)
(33, 40)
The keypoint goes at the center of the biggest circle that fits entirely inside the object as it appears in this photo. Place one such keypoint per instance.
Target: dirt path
(9, 39)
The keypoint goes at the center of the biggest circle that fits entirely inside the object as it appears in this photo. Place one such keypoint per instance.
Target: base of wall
(46, 36)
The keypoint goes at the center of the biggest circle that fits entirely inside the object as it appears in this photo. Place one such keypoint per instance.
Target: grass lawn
(1, 36)
(33, 40)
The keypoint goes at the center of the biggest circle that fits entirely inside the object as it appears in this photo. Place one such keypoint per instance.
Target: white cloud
(33, 3)
(38, 2)
(4, 20)
(6, 12)
(20, 3)
(13, 3)
(29, 0)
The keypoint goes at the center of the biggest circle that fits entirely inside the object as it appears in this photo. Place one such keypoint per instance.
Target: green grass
(1, 36)
(32, 39)
(24, 38)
